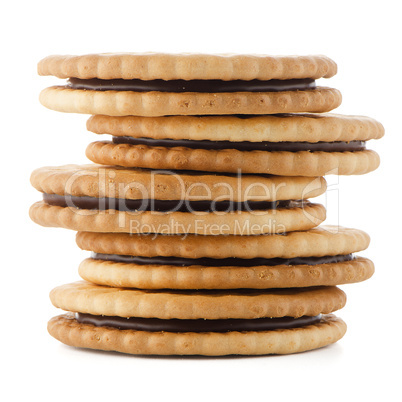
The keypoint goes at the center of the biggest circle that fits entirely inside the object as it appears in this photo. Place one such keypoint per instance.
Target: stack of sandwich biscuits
(199, 210)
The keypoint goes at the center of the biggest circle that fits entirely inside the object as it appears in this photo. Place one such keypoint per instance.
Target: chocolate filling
(176, 325)
(121, 204)
(205, 86)
(337, 146)
(222, 262)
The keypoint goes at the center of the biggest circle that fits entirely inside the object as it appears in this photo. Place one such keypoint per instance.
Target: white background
(363, 37)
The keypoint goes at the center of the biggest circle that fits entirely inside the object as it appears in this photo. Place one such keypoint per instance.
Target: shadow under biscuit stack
(198, 209)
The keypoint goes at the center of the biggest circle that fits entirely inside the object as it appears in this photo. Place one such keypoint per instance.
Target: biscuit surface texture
(321, 241)
(302, 163)
(293, 127)
(209, 223)
(150, 66)
(206, 277)
(117, 182)
(127, 103)
(84, 297)
(67, 330)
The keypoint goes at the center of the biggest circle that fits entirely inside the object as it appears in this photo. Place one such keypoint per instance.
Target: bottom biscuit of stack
(210, 295)
(211, 323)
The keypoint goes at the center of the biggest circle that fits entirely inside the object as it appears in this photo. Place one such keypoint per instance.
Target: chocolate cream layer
(203, 86)
(176, 325)
(287, 146)
(119, 204)
(222, 262)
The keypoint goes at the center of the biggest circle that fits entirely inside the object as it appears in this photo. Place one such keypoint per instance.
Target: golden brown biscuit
(196, 276)
(205, 223)
(147, 84)
(195, 310)
(318, 257)
(302, 163)
(273, 128)
(111, 181)
(107, 199)
(67, 330)
(84, 297)
(320, 241)
(126, 103)
(186, 66)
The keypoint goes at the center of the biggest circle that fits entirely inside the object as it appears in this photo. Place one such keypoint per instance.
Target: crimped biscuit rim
(67, 330)
(84, 297)
(306, 127)
(108, 273)
(301, 163)
(320, 241)
(118, 182)
(210, 223)
(126, 103)
(187, 66)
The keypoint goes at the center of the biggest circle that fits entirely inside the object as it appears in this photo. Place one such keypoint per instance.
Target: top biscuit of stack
(188, 84)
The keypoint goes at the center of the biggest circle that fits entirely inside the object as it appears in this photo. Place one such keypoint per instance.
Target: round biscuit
(85, 297)
(205, 223)
(272, 128)
(186, 66)
(134, 183)
(303, 163)
(127, 103)
(318, 242)
(68, 331)
(128, 275)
